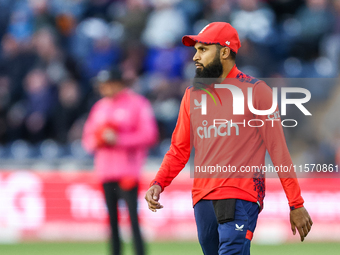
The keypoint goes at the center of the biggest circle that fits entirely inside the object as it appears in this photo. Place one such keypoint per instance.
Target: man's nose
(196, 57)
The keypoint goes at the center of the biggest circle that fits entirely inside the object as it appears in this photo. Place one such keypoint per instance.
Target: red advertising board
(70, 206)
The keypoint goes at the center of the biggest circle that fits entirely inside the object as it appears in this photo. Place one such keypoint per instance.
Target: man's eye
(203, 49)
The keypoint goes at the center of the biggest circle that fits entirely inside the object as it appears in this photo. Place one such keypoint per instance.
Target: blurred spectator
(134, 20)
(192, 10)
(42, 16)
(21, 25)
(314, 21)
(102, 55)
(133, 66)
(330, 46)
(94, 47)
(66, 25)
(39, 102)
(254, 21)
(49, 54)
(5, 99)
(168, 62)
(5, 7)
(219, 11)
(67, 110)
(337, 149)
(15, 63)
(98, 9)
(74, 8)
(250, 60)
(166, 25)
(336, 11)
(164, 94)
(285, 9)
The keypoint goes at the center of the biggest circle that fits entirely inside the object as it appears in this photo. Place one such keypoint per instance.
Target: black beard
(212, 70)
(208, 75)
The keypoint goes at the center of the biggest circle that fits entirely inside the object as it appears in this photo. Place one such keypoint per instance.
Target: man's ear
(225, 53)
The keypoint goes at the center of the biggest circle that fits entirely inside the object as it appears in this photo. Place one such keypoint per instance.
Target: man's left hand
(300, 220)
(109, 136)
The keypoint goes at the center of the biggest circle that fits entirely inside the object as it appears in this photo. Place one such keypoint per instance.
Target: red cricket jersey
(238, 145)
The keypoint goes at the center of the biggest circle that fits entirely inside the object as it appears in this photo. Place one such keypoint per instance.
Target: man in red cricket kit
(226, 205)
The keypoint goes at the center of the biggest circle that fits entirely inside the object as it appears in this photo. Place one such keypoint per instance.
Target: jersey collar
(233, 72)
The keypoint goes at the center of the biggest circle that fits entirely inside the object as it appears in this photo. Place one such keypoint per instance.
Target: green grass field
(175, 248)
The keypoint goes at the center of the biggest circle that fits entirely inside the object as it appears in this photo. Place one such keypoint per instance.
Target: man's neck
(226, 69)
(117, 92)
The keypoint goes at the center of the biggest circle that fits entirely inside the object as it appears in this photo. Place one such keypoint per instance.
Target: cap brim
(191, 40)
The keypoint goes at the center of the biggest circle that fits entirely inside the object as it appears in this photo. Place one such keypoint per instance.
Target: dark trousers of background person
(113, 193)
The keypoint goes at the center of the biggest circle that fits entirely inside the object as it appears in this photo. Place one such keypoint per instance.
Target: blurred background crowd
(51, 49)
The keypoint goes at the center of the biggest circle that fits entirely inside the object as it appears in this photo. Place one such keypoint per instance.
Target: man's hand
(152, 197)
(109, 136)
(300, 220)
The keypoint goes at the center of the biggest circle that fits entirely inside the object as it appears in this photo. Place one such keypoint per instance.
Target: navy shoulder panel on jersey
(246, 78)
